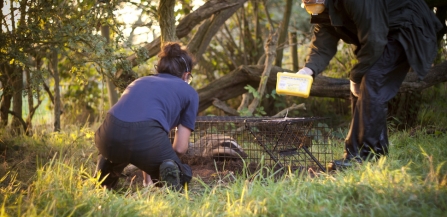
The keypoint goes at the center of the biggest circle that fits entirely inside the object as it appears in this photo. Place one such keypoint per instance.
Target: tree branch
(284, 112)
(270, 50)
(183, 28)
(208, 29)
(224, 107)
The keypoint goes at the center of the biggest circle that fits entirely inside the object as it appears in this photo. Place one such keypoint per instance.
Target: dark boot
(108, 172)
(344, 163)
(170, 174)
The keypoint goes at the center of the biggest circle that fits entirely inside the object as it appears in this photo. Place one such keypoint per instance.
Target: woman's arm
(181, 140)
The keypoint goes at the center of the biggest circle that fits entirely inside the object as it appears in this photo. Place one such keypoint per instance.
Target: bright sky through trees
(131, 15)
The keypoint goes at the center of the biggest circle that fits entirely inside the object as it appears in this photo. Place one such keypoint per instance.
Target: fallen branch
(234, 82)
(224, 107)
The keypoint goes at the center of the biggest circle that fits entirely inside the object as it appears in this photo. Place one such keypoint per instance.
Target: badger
(218, 146)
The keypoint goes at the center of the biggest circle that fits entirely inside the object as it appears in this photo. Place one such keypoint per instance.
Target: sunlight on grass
(410, 182)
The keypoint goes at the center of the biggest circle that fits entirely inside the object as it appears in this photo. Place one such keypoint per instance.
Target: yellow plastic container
(293, 84)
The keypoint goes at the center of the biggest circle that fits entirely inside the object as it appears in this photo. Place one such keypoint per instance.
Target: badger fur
(217, 146)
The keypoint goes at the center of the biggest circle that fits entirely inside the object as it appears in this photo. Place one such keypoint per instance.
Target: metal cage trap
(295, 143)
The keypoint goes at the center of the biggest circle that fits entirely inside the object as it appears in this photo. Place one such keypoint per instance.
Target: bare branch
(184, 28)
(270, 50)
(208, 30)
(284, 112)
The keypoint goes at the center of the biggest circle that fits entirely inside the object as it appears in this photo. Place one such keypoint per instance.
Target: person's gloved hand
(355, 89)
(305, 71)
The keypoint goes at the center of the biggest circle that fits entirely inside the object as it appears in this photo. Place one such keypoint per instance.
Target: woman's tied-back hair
(174, 59)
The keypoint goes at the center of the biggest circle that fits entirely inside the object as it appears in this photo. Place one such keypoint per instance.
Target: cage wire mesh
(295, 143)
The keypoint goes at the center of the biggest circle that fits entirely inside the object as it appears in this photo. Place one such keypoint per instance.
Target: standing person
(136, 129)
(390, 37)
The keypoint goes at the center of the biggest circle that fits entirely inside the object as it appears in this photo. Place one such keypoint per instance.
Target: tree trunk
(283, 32)
(5, 105)
(166, 18)
(111, 88)
(17, 102)
(57, 94)
(6, 96)
(29, 124)
(258, 33)
(293, 42)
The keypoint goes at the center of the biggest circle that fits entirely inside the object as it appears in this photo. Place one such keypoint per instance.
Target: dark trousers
(144, 144)
(367, 135)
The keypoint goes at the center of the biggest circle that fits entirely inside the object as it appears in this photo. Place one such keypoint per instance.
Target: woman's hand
(181, 140)
(355, 89)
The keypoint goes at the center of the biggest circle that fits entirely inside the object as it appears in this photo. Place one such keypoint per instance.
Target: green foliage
(259, 111)
(252, 91)
(340, 66)
(72, 28)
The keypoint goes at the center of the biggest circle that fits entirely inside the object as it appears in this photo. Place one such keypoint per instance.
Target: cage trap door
(287, 143)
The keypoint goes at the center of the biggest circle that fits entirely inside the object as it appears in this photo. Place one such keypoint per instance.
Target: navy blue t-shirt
(163, 97)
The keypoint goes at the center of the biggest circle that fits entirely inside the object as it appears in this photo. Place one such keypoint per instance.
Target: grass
(50, 174)
(410, 182)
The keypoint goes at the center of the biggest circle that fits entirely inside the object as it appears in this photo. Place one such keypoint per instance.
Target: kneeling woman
(136, 129)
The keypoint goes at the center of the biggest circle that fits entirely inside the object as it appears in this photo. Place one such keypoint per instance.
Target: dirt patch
(211, 171)
(207, 171)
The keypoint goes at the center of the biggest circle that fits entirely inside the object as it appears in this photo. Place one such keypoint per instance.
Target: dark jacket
(367, 24)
